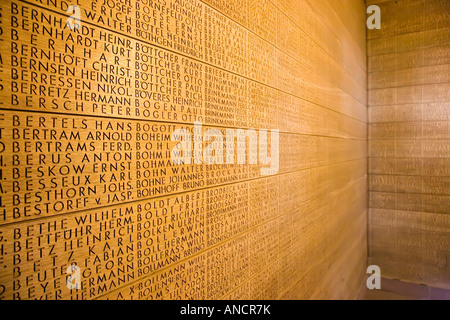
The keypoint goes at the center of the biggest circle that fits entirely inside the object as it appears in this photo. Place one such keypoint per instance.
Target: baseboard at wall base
(362, 291)
(395, 289)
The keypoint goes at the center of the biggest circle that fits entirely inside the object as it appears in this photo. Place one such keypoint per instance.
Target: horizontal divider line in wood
(388, 211)
(193, 257)
(362, 67)
(443, 195)
(257, 221)
(412, 175)
(184, 191)
(394, 70)
(413, 138)
(407, 121)
(397, 55)
(172, 122)
(362, 235)
(376, 44)
(295, 58)
(411, 85)
(176, 52)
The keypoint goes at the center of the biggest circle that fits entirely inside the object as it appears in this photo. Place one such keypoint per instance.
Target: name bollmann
(214, 153)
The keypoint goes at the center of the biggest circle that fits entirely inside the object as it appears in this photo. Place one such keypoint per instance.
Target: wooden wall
(86, 169)
(409, 170)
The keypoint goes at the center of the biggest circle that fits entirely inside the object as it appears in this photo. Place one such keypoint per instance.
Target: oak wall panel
(87, 177)
(409, 155)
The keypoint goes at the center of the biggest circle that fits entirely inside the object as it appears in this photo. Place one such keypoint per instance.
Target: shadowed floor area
(392, 289)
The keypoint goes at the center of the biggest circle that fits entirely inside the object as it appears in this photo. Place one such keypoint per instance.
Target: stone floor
(399, 290)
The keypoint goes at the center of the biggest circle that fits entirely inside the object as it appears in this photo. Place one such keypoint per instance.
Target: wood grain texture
(86, 118)
(409, 141)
